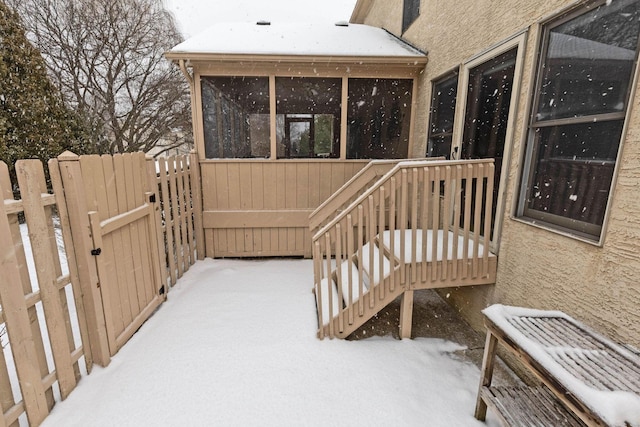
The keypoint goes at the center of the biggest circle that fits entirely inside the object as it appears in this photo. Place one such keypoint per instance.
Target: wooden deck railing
(424, 224)
(353, 188)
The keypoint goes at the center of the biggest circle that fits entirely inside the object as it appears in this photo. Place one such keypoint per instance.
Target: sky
(193, 16)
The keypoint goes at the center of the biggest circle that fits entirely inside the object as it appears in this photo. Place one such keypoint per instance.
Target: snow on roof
(296, 39)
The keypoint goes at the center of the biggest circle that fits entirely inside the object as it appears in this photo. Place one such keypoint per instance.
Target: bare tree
(106, 56)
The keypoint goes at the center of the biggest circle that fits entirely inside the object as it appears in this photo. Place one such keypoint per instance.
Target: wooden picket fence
(53, 323)
(178, 185)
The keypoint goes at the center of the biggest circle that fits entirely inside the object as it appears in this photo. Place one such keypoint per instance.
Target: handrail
(404, 164)
(344, 194)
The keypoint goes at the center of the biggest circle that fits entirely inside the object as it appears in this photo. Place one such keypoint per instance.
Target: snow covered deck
(596, 379)
(234, 346)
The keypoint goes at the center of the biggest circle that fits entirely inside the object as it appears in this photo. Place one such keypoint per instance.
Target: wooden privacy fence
(128, 228)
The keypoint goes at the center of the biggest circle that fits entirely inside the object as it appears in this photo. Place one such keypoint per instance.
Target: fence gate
(124, 231)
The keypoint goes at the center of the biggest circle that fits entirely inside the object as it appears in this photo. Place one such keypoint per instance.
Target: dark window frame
(539, 124)
(410, 12)
(435, 114)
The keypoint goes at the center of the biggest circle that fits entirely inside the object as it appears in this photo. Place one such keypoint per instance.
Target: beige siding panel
(261, 208)
(286, 218)
(270, 197)
(314, 184)
(235, 237)
(281, 200)
(246, 201)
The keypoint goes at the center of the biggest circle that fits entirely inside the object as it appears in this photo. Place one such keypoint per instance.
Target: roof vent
(263, 23)
(342, 24)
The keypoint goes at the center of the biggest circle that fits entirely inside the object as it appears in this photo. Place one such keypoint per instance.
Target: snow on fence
(63, 303)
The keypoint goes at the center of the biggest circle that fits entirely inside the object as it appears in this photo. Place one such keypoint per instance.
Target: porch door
(484, 125)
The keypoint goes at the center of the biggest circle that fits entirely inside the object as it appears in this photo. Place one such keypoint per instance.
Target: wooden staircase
(422, 224)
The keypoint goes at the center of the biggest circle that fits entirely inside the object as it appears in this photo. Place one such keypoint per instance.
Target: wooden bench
(587, 379)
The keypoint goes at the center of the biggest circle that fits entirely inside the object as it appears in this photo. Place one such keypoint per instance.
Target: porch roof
(272, 40)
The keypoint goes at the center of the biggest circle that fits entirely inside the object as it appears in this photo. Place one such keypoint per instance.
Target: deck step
(424, 239)
(372, 270)
(344, 301)
(355, 287)
(335, 301)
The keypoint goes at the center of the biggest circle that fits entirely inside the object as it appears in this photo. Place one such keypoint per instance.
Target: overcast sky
(194, 16)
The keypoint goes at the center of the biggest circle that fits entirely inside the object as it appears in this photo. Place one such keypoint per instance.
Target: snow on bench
(594, 378)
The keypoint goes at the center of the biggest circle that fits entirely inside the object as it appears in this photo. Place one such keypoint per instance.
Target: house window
(584, 79)
(443, 108)
(410, 12)
(236, 117)
(378, 118)
(308, 117)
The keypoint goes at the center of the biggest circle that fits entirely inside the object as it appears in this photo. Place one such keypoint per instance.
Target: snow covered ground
(235, 345)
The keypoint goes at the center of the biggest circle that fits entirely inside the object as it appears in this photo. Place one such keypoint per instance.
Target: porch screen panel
(308, 117)
(379, 112)
(236, 117)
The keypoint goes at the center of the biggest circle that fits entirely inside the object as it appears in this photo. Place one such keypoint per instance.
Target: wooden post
(182, 214)
(406, 314)
(168, 229)
(188, 206)
(174, 223)
(158, 269)
(490, 347)
(156, 234)
(78, 215)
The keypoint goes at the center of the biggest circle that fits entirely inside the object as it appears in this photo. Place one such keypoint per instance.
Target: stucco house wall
(537, 267)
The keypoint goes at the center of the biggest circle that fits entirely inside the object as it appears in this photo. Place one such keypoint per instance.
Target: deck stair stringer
(359, 312)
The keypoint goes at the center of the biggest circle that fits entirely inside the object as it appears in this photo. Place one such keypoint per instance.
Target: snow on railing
(422, 224)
